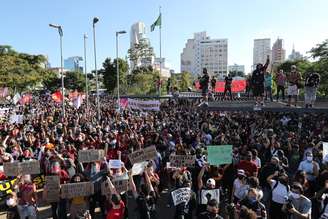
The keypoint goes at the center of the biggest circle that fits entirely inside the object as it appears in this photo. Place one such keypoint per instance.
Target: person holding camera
(251, 201)
(297, 205)
(279, 190)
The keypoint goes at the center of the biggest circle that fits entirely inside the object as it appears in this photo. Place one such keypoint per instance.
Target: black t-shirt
(312, 80)
(204, 80)
(208, 215)
(228, 81)
(257, 77)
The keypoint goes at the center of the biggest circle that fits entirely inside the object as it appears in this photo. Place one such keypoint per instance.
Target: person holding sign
(27, 197)
(79, 205)
(117, 207)
(146, 198)
(205, 192)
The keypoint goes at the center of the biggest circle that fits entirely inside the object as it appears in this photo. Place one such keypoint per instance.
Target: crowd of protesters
(277, 168)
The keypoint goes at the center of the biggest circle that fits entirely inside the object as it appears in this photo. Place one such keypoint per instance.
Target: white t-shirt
(279, 193)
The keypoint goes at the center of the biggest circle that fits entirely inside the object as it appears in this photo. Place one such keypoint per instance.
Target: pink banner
(237, 86)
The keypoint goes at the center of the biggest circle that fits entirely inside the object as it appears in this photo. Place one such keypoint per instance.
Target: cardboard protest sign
(182, 160)
(115, 164)
(72, 190)
(219, 154)
(87, 156)
(53, 188)
(138, 168)
(121, 183)
(21, 168)
(148, 153)
(181, 195)
(207, 195)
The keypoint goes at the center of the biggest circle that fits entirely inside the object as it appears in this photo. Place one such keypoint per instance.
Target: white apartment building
(236, 68)
(203, 52)
(261, 49)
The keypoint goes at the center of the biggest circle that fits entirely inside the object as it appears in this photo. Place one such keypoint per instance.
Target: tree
(109, 73)
(140, 51)
(186, 81)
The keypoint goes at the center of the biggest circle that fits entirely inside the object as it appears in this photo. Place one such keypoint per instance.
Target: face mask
(240, 177)
(309, 158)
(294, 195)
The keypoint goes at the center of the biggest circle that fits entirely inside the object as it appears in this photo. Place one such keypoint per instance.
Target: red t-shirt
(249, 167)
(116, 213)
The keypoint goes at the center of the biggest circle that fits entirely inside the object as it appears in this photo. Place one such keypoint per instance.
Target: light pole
(95, 20)
(85, 37)
(117, 69)
(60, 31)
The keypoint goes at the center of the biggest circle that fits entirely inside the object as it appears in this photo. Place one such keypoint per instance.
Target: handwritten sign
(121, 184)
(207, 195)
(148, 153)
(219, 154)
(72, 190)
(87, 156)
(53, 188)
(21, 168)
(138, 168)
(182, 161)
(115, 164)
(181, 195)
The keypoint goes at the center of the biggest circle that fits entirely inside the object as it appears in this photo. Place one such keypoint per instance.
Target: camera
(289, 203)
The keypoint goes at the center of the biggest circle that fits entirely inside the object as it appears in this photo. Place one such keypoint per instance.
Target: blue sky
(24, 25)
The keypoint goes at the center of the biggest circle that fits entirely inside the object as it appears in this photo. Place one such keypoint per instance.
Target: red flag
(57, 97)
(26, 98)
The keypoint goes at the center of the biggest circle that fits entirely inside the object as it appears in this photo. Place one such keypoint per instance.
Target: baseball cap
(241, 172)
(210, 181)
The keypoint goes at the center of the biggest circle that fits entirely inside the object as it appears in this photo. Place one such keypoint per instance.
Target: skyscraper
(261, 49)
(294, 56)
(73, 63)
(278, 53)
(203, 52)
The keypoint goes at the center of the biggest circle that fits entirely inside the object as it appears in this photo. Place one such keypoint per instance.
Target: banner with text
(87, 156)
(181, 195)
(182, 161)
(21, 168)
(153, 105)
(148, 153)
(219, 154)
(72, 190)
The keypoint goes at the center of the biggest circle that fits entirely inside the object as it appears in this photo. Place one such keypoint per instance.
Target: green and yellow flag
(158, 22)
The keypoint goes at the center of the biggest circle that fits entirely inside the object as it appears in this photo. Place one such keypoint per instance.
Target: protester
(228, 86)
(281, 83)
(268, 86)
(204, 82)
(312, 81)
(258, 82)
(294, 84)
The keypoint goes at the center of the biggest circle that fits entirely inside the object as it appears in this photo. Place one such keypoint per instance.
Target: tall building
(137, 32)
(73, 63)
(278, 52)
(203, 52)
(294, 56)
(261, 49)
(236, 70)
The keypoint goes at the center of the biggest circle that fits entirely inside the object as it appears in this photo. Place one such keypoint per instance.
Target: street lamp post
(60, 31)
(117, 69)
(85, 37)
(95, 20)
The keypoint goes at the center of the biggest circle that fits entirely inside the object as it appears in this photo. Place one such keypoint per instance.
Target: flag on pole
(57, 97)
(4, 92)
(26, 98)
(77, 102)
(16, 98)
(158, 22)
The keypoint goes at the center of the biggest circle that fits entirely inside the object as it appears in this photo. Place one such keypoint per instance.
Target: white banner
(144, 104)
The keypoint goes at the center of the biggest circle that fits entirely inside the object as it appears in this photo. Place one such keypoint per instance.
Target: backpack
(275, 186)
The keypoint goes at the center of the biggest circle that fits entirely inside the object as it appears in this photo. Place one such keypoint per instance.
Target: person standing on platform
(268, 86)
(281, 82)
(228, 85)
(204, 82)
(294, 79)
(258, 82)
(312, 81)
